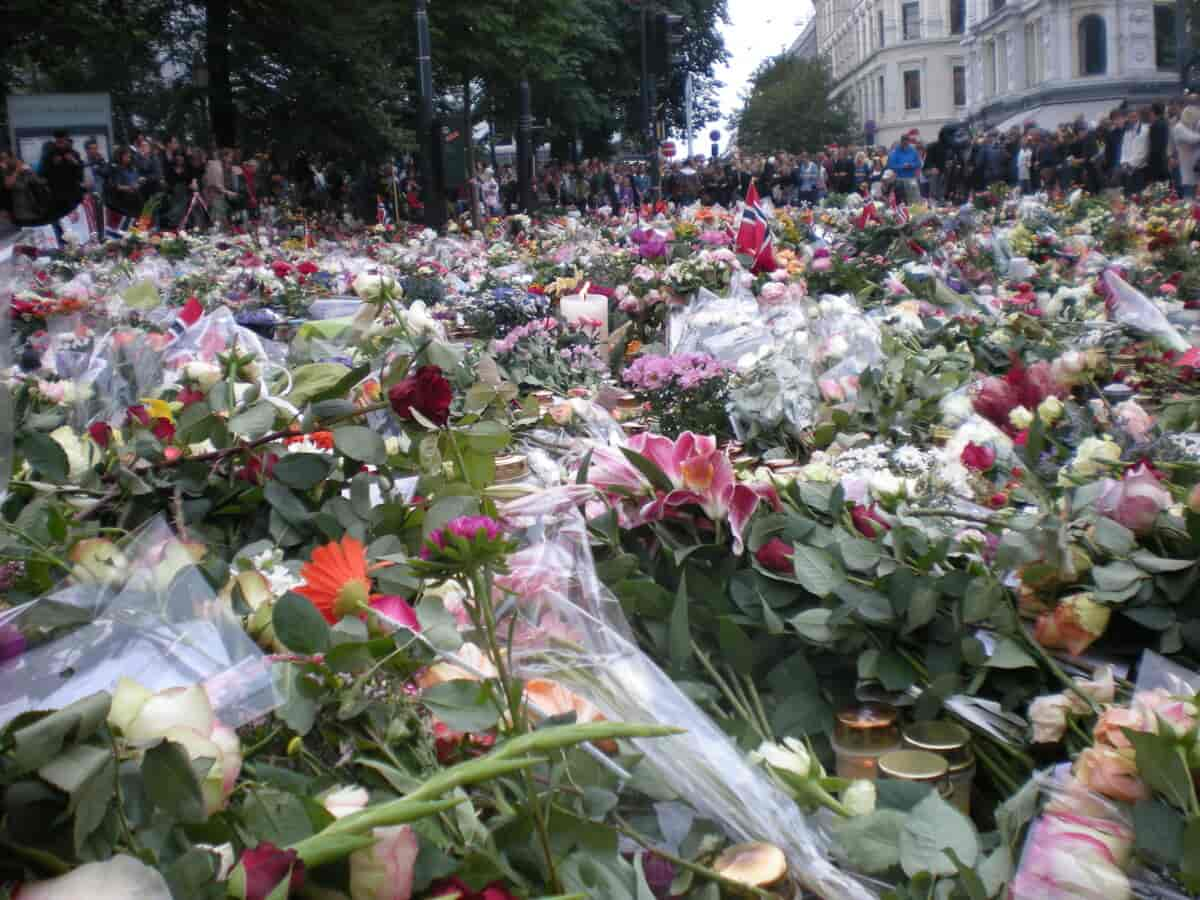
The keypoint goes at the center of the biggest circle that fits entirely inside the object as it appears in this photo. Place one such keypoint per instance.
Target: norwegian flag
(868, 215)
(754, 234)
(116, 225)
(900, 210)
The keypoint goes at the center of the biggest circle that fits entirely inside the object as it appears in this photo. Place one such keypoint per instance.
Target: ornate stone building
(1052, 61)
(901, 63)
(906, 64)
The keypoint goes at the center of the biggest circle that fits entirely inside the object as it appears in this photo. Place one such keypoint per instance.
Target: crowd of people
(172, 186)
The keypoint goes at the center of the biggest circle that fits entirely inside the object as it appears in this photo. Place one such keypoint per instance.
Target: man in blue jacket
(906, 163)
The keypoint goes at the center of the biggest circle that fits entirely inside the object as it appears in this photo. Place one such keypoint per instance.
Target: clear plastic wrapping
(140, 610)
(572, 631)
(727, 328)
(1130, 307)
(8, 278)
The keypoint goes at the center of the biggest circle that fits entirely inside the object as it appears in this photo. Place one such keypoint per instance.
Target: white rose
(859, 798)
(793, 757)
(886, 487)
(374, 288)
(345, 800)
(183, 715)
(204, 374)
(1049, 718)
(1020, 418)
(1050, 410)
(1092, 454)
(956, 409)
(119, 878)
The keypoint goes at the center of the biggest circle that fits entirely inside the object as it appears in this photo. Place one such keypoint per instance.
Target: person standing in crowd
(807, 179)
(124, 185)
(26, 191)
(95, 175)
(935, 169)
(1047, 160)
(5, 193)
(1112, 150)
(843, 170)
(491, 192)
(1187, 143)
(1135, 151)
(1025, 165)
(862, 173)
(1158, 147)
(906, 163)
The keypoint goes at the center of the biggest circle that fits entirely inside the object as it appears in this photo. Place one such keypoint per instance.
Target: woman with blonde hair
(1187, 143)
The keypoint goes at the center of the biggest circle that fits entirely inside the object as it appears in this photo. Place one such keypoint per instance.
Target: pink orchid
(703, 476)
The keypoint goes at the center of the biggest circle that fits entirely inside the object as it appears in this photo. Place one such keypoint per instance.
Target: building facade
(1053, 61)
(900, 63)
(805, 46)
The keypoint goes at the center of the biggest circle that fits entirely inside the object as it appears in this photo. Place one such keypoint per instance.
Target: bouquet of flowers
(685, 392)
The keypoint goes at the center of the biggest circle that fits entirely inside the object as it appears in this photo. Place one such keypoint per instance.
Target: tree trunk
(222, 112)
(468, 130)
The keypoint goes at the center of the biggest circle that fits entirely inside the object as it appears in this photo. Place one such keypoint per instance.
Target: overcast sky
(757, 29)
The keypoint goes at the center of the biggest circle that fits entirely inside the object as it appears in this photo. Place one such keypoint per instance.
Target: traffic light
(669, 33)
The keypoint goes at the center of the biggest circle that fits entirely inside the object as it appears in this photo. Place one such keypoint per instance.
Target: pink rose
(1135, 501)
(1112, 773)
(1135, 420)
(1158, 704)
(1049, 717)
(1109, 727)
(772, 292)
(821, 264)
(384, 871)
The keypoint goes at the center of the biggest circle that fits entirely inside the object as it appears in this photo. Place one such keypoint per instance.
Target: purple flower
(660, 873)
(466, 527)
(12, 642)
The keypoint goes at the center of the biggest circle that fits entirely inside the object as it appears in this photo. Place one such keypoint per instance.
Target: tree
(788, 107)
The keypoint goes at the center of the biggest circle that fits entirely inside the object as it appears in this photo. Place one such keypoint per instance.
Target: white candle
(589, 307)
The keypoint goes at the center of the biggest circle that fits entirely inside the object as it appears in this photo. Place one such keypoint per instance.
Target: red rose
(308, 268)
(427, 391)
(101, 433)
(869, 522)
(979, 457)
(164, 430)
(280, 268)
(998, 500)
(139, 413)
(188, 396)
(266, 866)
(775, 555)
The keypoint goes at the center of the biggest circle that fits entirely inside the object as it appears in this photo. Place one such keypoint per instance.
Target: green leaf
(1010, 655)
(895, 672)
(1158, 565)
(360, 443)
(871, 843)
(970, 882)
(1159, 829)
(922, 606)
(932, 827)
(75, 766)
(653, 473)
(438, 625)
(253, 422)
(41, 739)
(316, 381)
(816, 571)
(1116, 576)
(47, 457)
(981, 600)
(299, 626)
(858, 554)
(1191, 855)
(487, 437)
(1163, 764)
(303, 471)
(814, 625)
(298, 709)
(679, 634)
(996, 871)
(462, 704)
(171, 782)
(1113, 537)
(736, 647)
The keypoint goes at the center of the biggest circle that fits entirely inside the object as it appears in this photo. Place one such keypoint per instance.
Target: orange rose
(1074, 624)
(1111, 773)
(1108, 727)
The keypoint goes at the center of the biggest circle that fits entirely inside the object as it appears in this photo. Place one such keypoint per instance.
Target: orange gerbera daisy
(336, 579)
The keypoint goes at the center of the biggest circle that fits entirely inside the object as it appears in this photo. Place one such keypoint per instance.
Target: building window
(882, 97)
(879, 23)
(1166, 54)
(960, 85)
(989, 69)
(1002, 63)
(1031, 52)
(997, 5)
(911, 21)
(958, 16)
(1093, 54)
(912, 89)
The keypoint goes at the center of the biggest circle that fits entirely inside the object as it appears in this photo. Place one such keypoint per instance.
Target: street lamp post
(429, 139)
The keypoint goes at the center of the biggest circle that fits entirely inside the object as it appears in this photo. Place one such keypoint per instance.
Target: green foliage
(788, 107)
